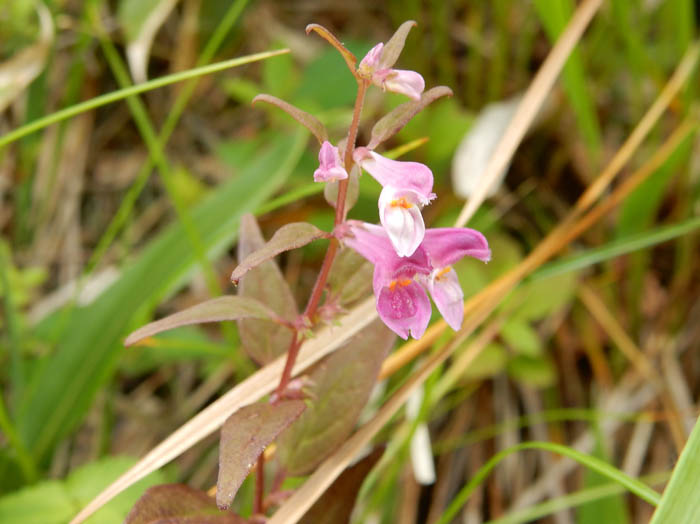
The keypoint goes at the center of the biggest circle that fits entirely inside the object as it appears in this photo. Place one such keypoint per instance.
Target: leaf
(290, 236)
(680, 501)
(44, 503)
(262, 339)
(21, 70)
(178, 504)
(340, 387)
(329, 37)
(393, 48)
(244, 436)
(214, 310)
(309, 121)
(330, 190)
(521, 337)
(89, 338)
(337, 503)
(350, 277)
(393, 122)
(537, 372)
(140, 20)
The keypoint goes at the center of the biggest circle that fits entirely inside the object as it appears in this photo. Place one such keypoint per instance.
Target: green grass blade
(635, 486)
(680, 503)
(554, 15)
(121, 94)
(617, 248)
(90, 342)
(573, 500)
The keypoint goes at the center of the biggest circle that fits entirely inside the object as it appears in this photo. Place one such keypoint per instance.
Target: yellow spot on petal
(401, 202)
(443, 272)
(405, 282)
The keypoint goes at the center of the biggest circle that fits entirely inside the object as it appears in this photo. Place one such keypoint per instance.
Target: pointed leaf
(287, 237)
(351, 277)
(324, 33)
(214, 310)
(340, 387)
(337, 503)
(262, 339)
(330, 190)
(309, 121)
(394, 121)
(244, 436)
(178, 504)
(393, 48)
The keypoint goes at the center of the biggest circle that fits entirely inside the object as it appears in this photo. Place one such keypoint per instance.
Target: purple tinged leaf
(350, 278)
(394, 121)
(178, 504)
(262, 339)
(214, 310)
(244, 436)
(393, 48)
(330, 191)
(339, 388)
(336, 504)
(290, 236)
(329, 37)
(309, 121)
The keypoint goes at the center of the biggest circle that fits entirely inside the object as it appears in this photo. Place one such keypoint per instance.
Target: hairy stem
(317, 292)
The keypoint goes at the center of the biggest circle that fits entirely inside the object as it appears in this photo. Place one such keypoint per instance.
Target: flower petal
(401, 217)
(448, 296)
(330, 167)
(368, 65)
(400, 81)
(447, 245)
(404, 307)
(410, 176)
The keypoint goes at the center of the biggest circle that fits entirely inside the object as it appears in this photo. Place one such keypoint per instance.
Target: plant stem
(322, 278)
(259, 503)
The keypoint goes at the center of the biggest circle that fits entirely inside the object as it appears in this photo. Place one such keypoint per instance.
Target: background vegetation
(130, 210)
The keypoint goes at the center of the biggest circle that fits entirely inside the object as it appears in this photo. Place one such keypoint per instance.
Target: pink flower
(407, 187)
(444, 247)
(399, 282)
(330, 167)
(407, 83)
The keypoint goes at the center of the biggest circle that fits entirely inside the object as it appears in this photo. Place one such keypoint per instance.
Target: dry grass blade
(530, 105)
(250, 390)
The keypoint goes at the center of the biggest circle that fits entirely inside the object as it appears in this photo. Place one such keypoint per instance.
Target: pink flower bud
(370, 63)
(330, 167)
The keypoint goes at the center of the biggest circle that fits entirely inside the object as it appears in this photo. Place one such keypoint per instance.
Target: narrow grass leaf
(635, 486)
(680, 502)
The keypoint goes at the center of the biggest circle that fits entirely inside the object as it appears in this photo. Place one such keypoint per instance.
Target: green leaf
(521, 337)
(680, 502)
(488, 363)
(89, 339)
(309, 121)
(261, 339)
(217, 309)
(44, 503)
(289, 236)
(538, 372)
(539, 299)
(244, 436)
(392, 49)
(393, 122)
(178, 504)
(350, 277)
(340, 386)
(330, 190)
